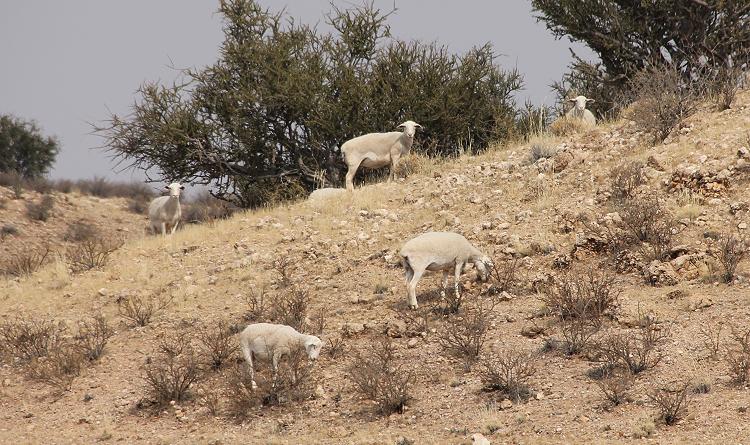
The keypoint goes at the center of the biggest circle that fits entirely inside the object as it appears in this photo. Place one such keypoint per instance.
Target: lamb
(436, 251)
(376, 150)
(164, 212)
(273, 341)
(580, 112)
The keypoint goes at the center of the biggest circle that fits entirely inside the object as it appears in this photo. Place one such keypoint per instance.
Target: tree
(264, 123)
(23, 148)
(697, 36)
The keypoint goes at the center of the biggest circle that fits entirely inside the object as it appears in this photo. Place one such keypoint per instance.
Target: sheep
(580, 112)
(164, 212)
(479, 439)
(376, 150)
(436, 251)
(273, 341)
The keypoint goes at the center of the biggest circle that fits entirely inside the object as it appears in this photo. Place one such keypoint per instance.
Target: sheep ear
(182, 187)
(572, 100)
(589, 100)
(400, 126)
(166, 187)
(418, 126)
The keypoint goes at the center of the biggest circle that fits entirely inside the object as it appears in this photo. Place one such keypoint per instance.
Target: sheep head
(580, 102)
(313, 345)
(410, 128)
(174, 189)
(483, 265)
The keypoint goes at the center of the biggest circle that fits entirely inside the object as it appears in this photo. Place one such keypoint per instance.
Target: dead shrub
(661, 99)
(218, 343)
(650, 223)
(28, 339)
(625, 180)
(290, 308)
(732, 250)
(59, 367)
(737, 356)
(578, 334)
(138, 206)
(464, 335)
(566, 127)
(711, 336)
(91, 253)
(592, 294)
(726, 83)
(79, 231)
(283, 268)
(140, 310)
(258, 304)
(508, 372)
(615, 387)
(8, 230)
(171, 371)
(27, 261)
(503, 276)
(377, 376)
(636, 353)
(205, 208)
(244, 398)
(93, 336)
(336, 347)
(671, 401)
(417, 321)
(42, 210)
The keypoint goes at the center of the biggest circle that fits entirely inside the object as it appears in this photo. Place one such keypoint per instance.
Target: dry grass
(218, 343)
(141, 310)
(171, 372)
(567, 127)
(508, 373)
(671, 401)
(91, 253)
(27, 261)
(42, 210)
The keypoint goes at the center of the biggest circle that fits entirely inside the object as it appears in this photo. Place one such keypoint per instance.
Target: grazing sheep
(436, 251)
(273, 341)
(580, 112)
(325, 194)
(376, 150)
(479, 439)
(164, 212)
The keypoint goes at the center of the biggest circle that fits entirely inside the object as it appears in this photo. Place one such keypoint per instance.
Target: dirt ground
(344, 254)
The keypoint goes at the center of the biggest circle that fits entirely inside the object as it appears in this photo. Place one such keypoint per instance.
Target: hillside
(344, 255)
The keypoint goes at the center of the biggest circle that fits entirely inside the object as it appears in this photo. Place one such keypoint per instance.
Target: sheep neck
(406, 142)
(172, 205)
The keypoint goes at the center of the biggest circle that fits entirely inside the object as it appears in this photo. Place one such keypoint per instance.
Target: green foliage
(23, 149)
(699, 36)
(265, 122)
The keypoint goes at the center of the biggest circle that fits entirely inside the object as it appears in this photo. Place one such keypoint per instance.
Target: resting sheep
(268, 341)
(579, 111)
(164, 212)
(376, 150)
(436, 251)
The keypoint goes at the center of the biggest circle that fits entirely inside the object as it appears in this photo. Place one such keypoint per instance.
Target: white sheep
(164, 212)
(376, 150)
(267, 341)
(580, 112)
(437, 251)
(479, 439)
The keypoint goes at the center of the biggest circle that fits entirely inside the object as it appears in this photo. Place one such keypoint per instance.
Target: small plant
(578, 333)
(625, 179)
(503, 277)
(41, 211)
(290, 308)
(737, 356)
(636, 353)
(711, 335)
(138, 206)
(27, 261)
(283, 267)
(541, 151)
(139, 310)
(464, 335)
(257, 301)
(615, 387)
(59, 367)
(93, 336)
(672, 402)
(8, 230)
(590, 295)
(29, 339)
(91, 253)
(648, 222)
(217, 342)
(377, 376)
(508, 373)
(336, 347)
(172, 371)
(80, 231)
(381, 288)
(206, 209)
(732, 250)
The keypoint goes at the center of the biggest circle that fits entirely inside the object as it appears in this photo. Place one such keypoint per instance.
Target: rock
(479, 439)
(700, 303)
(412, 343)
(395, 328)
(658, 273)
(742, 226)
(212, 280)
(320, 393)
(350, 328)
(6, 382)
(532, 331)
(654, 163)
(676, 294)
(743, 153)
(103, 292)
(506, 404)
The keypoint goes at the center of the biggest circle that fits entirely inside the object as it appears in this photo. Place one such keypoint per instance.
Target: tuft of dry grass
(91, 253)
(140, 311)
(218, 343)
(671, 401)
(42, 210)
(27, 261)
(508, 372)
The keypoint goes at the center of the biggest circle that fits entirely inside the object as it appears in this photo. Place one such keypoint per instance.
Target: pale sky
(68, 63)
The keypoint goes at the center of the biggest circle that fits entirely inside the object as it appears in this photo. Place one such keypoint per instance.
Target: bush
(218, 343)
(290, 308)
(615, 387)
(464, 335)
(172, 371)
(336, 347)
(206, 208)
(377, 376)
(508, 373)
(737, 356)
(80, 231)
(541, 151)
(139, 310)
(28, 339)
(8, 230)
(93, 336)
(27, 261)
(672, 402)
(587, 295)
(23, 148)
(648, 221)
(578, 333)
(41, 211)
(103, 188)
(59, 367)
(92, 253)
(138, 206)
(732, 250)
(711, 335)
(625, 180)
(532, 121)
(635, 353)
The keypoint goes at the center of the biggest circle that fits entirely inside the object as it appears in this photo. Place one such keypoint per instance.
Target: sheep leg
(408, 271)
(457, 277)
(394, 164)
(248, 354)
(350, 176)
(445, 284)
(163, 229)
(412, 287)
(174, 227)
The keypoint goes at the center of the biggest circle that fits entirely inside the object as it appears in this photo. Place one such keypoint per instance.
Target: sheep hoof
(254, 386)
(413, 306)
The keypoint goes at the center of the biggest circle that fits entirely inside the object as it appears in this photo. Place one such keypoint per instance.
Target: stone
(658, 273)
(412, 343)
(395, 328)
(103, 292)
(352, 328)
(699, 303)
(506, 404)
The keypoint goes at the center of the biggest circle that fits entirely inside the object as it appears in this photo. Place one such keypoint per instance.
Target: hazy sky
(66, 63)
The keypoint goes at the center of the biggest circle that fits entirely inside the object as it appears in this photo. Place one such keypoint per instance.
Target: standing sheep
(437, 251)
(268, 341)
(376, 150)
(164, 212)
(579, 111)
